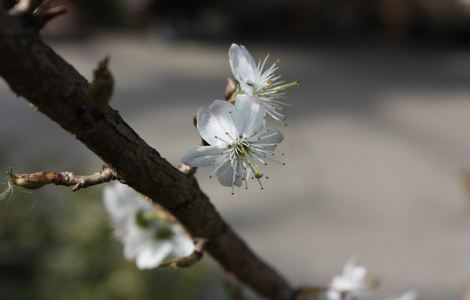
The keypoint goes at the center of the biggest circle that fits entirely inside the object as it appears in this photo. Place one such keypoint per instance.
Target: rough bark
(37, 73)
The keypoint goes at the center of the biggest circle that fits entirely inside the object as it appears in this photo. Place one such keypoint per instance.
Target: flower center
(163, 233)
(143, 218)
(146, 219)
(241, 149)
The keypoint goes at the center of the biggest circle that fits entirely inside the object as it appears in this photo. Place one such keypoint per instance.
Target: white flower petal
(133, 240)
(119, 200)
(354, 273)
(341, 284)
(216, 125)
(249, 115)
(239, 173)
(153, 254)
(225, 174)
(203, 156)
(358, 276)
(242, 64)
(182, 246)
(352, 280)
(122, 203)
(410, 295)
(333, 295)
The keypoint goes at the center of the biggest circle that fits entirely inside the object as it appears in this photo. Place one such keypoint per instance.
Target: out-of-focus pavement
(375, 145)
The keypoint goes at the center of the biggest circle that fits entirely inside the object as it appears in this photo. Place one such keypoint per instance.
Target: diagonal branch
(38, 74)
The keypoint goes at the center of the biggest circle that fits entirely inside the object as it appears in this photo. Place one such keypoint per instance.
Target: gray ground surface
(376, 142)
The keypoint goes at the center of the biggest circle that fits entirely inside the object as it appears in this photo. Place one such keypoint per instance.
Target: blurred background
(377, 143)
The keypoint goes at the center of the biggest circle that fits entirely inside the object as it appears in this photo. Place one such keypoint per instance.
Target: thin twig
(39, 179)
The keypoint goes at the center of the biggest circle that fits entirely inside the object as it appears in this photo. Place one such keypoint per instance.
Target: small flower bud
(230, 89)
(102, 85)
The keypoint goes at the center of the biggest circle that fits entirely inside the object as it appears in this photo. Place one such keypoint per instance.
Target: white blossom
(146, 239)
(239, 141)
(350, 284)
(410, 295)
(259, 80)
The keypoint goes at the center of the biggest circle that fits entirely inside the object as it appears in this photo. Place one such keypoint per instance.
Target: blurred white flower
(465, 2)
(259, 80)
(239, 141)
(350, 284)
(146, 239)
(410, 295)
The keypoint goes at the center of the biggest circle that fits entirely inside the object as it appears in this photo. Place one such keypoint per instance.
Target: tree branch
(38, 74)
